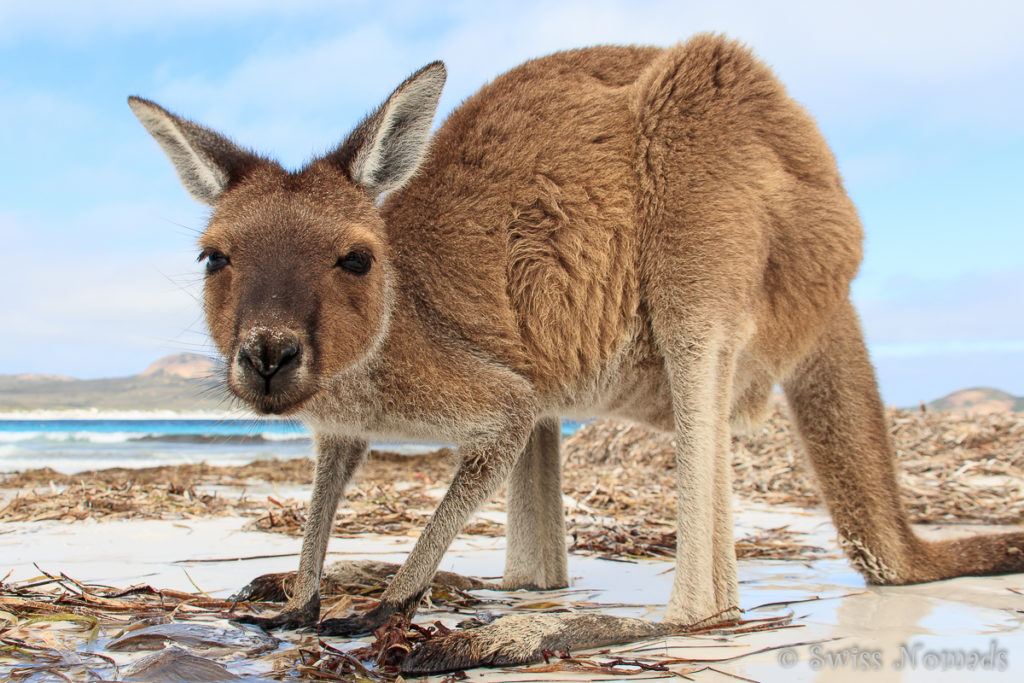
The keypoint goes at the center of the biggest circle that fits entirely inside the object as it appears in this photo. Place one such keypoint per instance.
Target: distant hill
(979, 400)
(41, 378)
(187, 365)
(180, 382)
(190, 381)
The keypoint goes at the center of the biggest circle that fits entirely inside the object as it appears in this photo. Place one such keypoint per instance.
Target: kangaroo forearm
(337, 460)
(478, 476)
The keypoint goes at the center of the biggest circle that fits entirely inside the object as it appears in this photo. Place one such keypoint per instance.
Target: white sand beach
(853, 632)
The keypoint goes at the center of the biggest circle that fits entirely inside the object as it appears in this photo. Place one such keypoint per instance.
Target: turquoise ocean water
(71, 446)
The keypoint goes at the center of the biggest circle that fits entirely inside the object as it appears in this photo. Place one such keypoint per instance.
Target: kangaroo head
(297, 274)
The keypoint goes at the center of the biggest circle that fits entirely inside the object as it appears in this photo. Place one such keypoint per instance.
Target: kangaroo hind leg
(834, 399)
(701, 365)
(536, 555)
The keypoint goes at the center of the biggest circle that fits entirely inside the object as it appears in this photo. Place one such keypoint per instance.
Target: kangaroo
(660, 235)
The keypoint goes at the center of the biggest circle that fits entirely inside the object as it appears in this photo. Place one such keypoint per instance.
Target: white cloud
(946, 347)
(97, 19)
(292, 101)
(75, 307)
(947, 61)
(932, 40)
(12, 232)
(905, 380)
(979, 312)
(931, 336)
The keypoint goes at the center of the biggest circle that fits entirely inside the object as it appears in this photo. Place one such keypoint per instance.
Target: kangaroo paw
(523, 639)
(372, 571)
(285, 619)
(296, 613)
(267, 587)
(277, 587)
(360, 625)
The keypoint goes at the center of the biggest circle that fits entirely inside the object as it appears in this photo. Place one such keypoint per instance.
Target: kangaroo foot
(359, 625)
(523, 638)
(267, 588)
(370, 571)
(285, 619)
(277, 587)
(298, 612)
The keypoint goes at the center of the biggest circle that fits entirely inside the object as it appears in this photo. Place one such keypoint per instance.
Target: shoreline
(48, 414)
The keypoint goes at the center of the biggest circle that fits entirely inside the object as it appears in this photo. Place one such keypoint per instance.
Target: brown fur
(660, 235)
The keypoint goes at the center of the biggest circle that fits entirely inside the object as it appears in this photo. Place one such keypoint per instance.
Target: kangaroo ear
(207, 162)
(385, 150)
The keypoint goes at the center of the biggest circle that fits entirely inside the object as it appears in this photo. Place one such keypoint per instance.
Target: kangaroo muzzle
(269, 369)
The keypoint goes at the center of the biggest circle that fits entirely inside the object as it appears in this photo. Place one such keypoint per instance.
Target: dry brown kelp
(952, 467)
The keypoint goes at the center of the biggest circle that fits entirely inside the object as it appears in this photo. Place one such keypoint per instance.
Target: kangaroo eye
(215, 260)
(357, 262)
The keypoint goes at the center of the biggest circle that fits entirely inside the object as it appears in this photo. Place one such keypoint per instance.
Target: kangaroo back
(834, 400)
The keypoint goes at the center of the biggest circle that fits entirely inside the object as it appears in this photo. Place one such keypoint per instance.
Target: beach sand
(185, 539)
(831, 606)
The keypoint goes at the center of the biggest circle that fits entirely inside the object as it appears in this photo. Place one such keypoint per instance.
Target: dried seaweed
(952, 467)
(142, 618)
(126, 500)
(53, 618)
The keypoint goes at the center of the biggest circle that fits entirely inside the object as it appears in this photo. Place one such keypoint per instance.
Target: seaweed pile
(54, 628)
(618, 476)
(953, 467)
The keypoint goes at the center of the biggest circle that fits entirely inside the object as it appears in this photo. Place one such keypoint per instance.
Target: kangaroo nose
(270, 354)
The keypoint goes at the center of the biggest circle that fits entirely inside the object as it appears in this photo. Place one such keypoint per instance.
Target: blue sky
(923, 103)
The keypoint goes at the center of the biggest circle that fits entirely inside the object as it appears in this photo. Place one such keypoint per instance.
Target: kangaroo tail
(833, 396)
